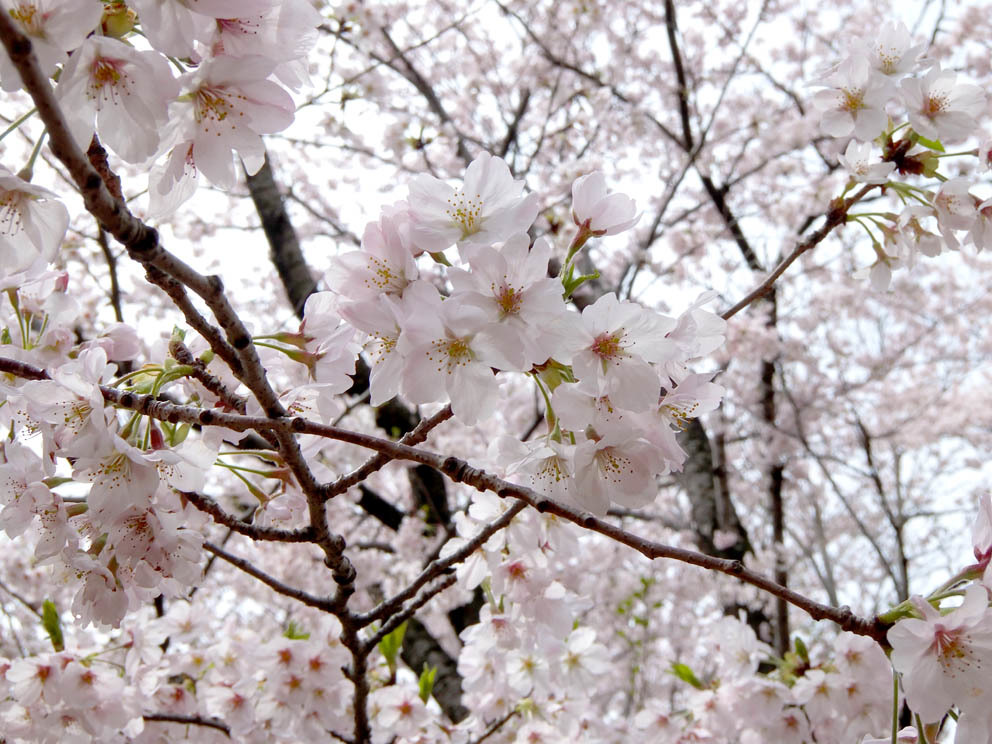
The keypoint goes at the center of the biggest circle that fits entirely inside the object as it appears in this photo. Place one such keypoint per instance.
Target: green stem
(17, 122)
(28, 170)
(895, 706)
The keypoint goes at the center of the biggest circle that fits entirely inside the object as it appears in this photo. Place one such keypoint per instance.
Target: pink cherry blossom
(943, 658)
(604, 213)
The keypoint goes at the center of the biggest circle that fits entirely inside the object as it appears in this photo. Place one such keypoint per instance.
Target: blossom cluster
(237, 63)
(453, 300)
(885, 92)
(614, 377)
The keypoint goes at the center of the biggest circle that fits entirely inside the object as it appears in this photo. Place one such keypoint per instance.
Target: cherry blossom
(226, 104)
(488, 208)
(127, 92)
(606, 213)
(857, 160)
(612, 347)
(854, 104)
(511, 286)
(940, 108)
(54, 27)
(941, 656)
(32, 225)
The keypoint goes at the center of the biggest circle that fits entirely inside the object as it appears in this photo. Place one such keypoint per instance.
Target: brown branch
(270, 581)
(496, 726)
(111, 259)
(206, 504)
(834, 218)
(439, 566)
(183, 355)
(377, 461)
(461, 472)
(401, 616)
(214, 723)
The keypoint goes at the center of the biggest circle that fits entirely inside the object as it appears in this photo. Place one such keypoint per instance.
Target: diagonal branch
(270, 581)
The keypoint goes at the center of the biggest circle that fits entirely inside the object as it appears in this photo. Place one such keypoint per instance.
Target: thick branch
(284, 245)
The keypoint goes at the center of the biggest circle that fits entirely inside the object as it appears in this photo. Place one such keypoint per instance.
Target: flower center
(28, 16)
(935, 104)
(211, 104)
(382, 277)
(106, 71)
(613, 465)
(450, 353)
(888, 59)
(607, 345)
(853, 99)
(509, 300)
(465, 211)
(948, 646)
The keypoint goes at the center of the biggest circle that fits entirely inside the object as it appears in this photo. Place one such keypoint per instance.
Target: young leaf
(426, 682)
(391, 644)
(53, 626)
(295, 632)
(684, 673)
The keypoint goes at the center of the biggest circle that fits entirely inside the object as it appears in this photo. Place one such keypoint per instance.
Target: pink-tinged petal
(474, 393)
(633, 385)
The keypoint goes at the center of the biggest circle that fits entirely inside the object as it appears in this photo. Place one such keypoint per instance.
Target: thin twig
(214, 723)
(273, 583)
(835, 217)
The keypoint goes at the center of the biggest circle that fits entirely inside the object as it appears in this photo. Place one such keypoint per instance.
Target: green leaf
(295, 632)
(53, 626)
(426, 682)
(391, 644)
(802, 650)
(932, 144)
(684, 673)
(179, 434)
(570, 285)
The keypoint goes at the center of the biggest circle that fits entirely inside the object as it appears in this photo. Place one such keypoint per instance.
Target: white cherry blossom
(54, 28)
(854, 104)
(122, 91)
(941, 108)
(858, 161)
(944, 659)
(488, 208)
(610, 350)
(32, 225)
